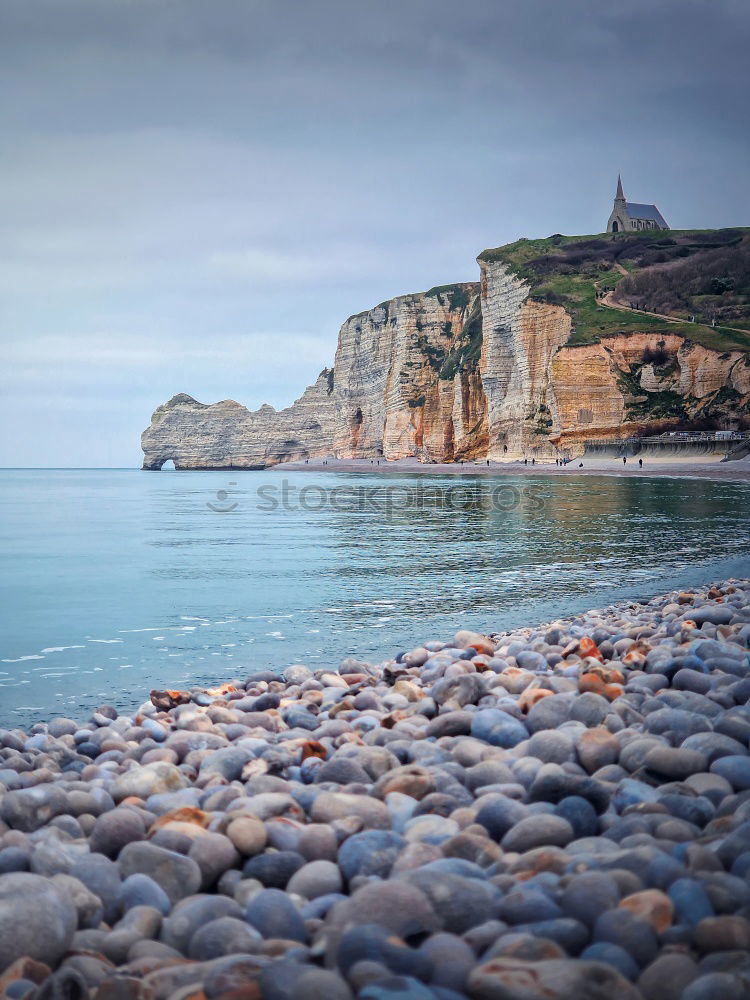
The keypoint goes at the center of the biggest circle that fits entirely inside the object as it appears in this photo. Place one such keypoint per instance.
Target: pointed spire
(620, 195)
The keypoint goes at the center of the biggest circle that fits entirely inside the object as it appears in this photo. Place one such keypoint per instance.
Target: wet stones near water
(555, 812)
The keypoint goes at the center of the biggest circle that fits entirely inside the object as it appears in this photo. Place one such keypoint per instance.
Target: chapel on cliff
(630, 216)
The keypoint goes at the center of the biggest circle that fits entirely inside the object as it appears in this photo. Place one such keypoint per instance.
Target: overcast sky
(194, 195)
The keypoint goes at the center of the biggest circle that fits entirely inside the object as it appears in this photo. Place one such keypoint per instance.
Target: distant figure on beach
(526, 461)
(580, 465)
(488, 461)
(505, 449)
(533, 461)
(624, 460)
(640, 462)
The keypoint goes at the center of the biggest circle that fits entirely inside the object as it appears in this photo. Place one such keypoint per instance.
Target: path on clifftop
(608, 300)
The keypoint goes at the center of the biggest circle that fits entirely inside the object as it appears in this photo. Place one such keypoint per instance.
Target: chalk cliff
(527, 361)
(227, 435)
(397, 389)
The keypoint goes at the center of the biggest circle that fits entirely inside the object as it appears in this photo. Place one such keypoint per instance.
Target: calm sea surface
(118, 581)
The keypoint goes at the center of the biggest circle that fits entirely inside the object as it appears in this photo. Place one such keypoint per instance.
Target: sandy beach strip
(670, 468)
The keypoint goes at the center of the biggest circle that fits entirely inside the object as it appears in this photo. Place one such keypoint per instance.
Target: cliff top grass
(700, 273)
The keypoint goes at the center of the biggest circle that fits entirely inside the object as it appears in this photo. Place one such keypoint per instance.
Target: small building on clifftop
(630, 216)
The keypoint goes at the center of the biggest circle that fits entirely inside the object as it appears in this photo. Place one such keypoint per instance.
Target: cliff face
(520, 337)
(395, 393)
(228, 435)
(495, 369)
(610, 389)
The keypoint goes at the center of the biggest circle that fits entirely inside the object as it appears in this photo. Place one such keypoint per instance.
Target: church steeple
(620, 195)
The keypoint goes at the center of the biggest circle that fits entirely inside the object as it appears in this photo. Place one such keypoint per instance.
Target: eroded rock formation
(227, 435)
(463, 371)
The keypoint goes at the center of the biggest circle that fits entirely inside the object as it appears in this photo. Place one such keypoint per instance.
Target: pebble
(316, 878)
(273, 915)
(37, 919)
(667, 977)
(29, 809)
(735, 769)
(614, 955)
(538, 831)
(150, 779)
(721, 985)
(558, 811)
(636, 936)
(113, 830)
(248, 834)
(554, 979)
(141, 890)
(177, 875)
(370, 853)
(723, 933)
(223, 936)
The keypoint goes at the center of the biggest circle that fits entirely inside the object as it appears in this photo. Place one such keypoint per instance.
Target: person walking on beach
(624, 460)
(640, 462)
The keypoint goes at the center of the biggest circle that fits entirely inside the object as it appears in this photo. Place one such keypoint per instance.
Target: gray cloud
(194, 196)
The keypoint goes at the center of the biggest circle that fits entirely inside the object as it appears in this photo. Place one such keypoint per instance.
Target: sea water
(119, 581)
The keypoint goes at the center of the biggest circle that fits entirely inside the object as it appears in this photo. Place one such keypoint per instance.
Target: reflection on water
(118, 581)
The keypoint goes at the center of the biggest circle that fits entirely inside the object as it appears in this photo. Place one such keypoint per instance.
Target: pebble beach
(556, 812)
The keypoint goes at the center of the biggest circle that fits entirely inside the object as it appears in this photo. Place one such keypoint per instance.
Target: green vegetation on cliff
(699, 273)
(467, 348)
(457, 295)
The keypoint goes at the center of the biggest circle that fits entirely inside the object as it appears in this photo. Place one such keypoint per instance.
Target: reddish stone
(530, 697)
(186, 814)
(591, 682)
(313, 749)
(221, 689)
(482, 646)
(123, 988)
(587, 647)
(165, 700)
(652, 906)
(24, 968)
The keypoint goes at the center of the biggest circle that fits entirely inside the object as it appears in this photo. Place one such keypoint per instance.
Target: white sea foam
(60, 649)
(32, 656)
(106, 642)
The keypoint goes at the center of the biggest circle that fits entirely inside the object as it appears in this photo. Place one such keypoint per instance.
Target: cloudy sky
(194, 195)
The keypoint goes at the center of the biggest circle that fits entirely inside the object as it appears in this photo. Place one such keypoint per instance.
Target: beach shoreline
(564, 803)
(676, 468)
